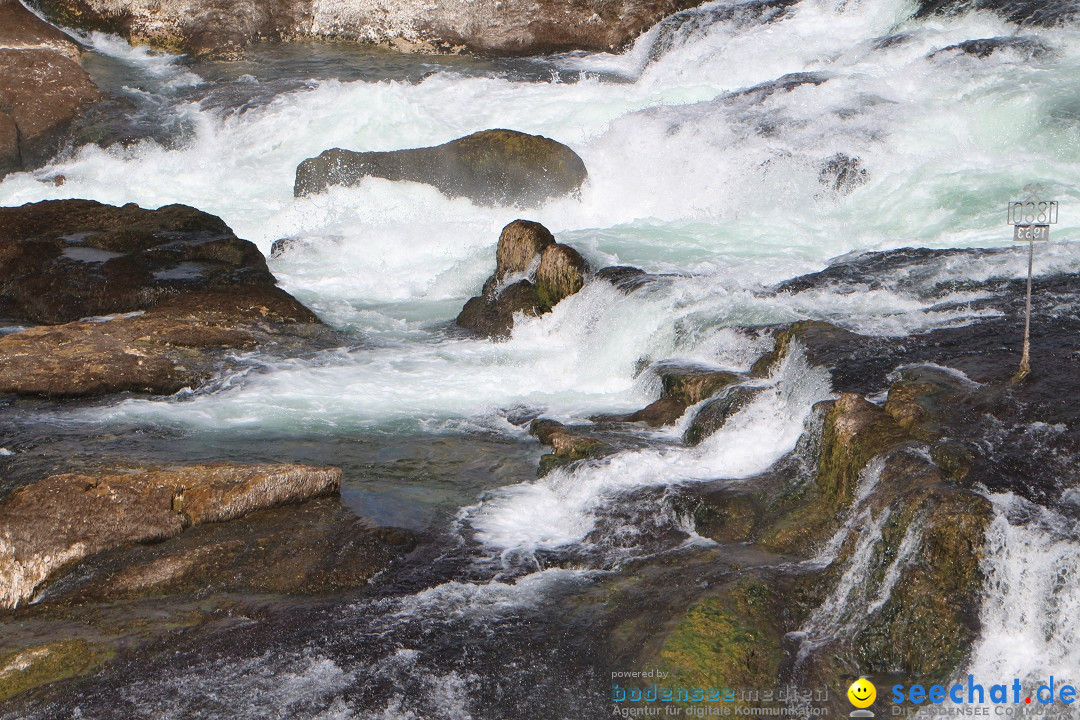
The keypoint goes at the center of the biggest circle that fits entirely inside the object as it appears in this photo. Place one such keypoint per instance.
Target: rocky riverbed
(338, 381)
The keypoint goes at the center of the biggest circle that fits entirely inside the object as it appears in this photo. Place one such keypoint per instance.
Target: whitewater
(705, 143)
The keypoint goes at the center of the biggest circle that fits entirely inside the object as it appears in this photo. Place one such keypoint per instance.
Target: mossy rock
(927, 626)
(39, 665)
(691, 384)
(561, 273)
(728, 640)
(490, 167)
(854, 432)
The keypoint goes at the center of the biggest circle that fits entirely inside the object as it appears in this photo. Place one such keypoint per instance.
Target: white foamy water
(685, 176)
(562, 507)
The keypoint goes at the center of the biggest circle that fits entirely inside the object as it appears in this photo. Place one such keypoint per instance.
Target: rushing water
(689, 174)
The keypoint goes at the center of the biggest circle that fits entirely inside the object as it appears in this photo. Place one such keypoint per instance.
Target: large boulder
(62, 260)
(503, 27)
(136, 300)
(42, 87)
(64, 518)
(490, 167)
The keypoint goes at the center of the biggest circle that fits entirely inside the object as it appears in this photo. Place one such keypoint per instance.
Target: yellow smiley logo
(862, 693)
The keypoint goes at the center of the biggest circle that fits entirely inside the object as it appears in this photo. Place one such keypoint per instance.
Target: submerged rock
(38, 665)
(65, 518)
(42, 87)
(525, 249)
(842, 173)
(490, 167)
(161, 295)
(1028, 46)
(1030, 13)
(503, 27)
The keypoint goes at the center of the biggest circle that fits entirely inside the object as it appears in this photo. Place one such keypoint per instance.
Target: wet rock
(625, 278)
(854, 432)
(1029, 13)
(317, 547)
(681, 385)
(490, 167)
(724, 512)
(522, 249)
(492, 315)
(63, 260)
(842, 173)
(713, 414)
(921, 396)
(42, 87)
(161, 293)
(824, 343)
(65, 518)
(929, 621)
(504, 27)
(561, 273)
(568, 444)
(1028, 47)
(520, 243)
(38, 665)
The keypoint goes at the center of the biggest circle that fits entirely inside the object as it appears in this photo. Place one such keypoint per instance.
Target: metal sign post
(1031, 220)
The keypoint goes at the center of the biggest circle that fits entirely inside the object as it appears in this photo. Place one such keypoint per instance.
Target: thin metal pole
(1025, 360)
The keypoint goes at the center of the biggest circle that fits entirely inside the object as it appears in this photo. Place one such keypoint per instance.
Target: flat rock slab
(65, 518)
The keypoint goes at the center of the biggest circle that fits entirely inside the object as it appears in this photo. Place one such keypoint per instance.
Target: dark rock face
(65, 518)
(1028, 47)
(42, 87)
(68, 259)
(506, 27)
(492, 315)
(842, 173)
(163, 293)
(490, 167)
(713, 414)
(1030, 13)
(524, 247)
